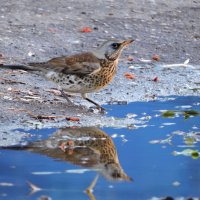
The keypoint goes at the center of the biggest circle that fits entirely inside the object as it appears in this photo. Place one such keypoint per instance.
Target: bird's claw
(101, 109)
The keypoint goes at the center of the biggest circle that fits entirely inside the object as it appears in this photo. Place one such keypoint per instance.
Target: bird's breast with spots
(105, 76)
(85, 83)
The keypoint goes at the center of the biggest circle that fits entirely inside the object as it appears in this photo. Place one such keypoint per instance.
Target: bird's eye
(116, 175)
(115, 45)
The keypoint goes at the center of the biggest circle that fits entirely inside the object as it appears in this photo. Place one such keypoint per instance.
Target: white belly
(70, 83)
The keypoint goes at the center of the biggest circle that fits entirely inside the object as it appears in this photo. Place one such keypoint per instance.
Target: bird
(88, 147)
(81, 73)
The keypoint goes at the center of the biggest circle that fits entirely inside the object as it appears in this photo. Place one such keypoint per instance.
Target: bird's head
(112, 49)
(114, 172)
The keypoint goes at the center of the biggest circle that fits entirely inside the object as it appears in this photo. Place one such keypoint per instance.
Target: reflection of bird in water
(89, 147)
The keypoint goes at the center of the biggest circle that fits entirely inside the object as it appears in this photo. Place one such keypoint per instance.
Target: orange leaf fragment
(156, 57)
(86, 29)
(129, 76)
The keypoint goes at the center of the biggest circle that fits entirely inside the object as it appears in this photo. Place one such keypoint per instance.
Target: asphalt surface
(39, 30)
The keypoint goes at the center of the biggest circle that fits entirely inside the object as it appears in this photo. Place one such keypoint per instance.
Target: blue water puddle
(145, 154)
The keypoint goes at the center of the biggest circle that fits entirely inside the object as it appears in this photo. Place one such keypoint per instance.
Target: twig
(11, 81)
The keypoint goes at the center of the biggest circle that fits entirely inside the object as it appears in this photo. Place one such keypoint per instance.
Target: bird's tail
(14, 147)
(16, 67)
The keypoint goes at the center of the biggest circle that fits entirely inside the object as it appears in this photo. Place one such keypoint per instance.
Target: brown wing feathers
(84, 63)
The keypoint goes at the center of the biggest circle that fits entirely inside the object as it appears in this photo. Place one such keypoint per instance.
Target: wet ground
(31, 108)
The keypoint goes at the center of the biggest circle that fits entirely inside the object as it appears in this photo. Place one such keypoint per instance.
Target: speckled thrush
(81, 73)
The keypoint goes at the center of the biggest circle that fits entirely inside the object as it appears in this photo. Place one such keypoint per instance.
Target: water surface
(161, 157)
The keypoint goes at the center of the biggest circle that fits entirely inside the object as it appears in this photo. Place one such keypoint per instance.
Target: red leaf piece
(155, 79)
(156, 57)
(86, 29)
(74, 119)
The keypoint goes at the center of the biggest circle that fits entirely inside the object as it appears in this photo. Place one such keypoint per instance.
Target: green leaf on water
(189, 113)
(169, 113)
(190, 140)
(195, 154)
(188, 152)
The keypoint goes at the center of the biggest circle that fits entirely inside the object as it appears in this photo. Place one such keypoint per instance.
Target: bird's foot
(101, 109)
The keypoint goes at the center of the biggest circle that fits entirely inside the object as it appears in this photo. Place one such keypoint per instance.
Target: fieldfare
(81, 73)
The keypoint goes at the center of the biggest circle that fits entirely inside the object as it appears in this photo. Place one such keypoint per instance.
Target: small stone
(31, 54)
(131, 67)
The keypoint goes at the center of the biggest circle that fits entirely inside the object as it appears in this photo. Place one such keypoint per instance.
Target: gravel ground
(39, 30)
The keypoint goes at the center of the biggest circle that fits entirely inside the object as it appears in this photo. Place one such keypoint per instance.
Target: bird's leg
(89, 190)
(66, 97)
(91, 101)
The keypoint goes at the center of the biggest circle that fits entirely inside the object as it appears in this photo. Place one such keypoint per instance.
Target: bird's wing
(84, 63)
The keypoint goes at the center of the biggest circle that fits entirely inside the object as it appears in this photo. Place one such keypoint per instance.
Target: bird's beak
(127, 42)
